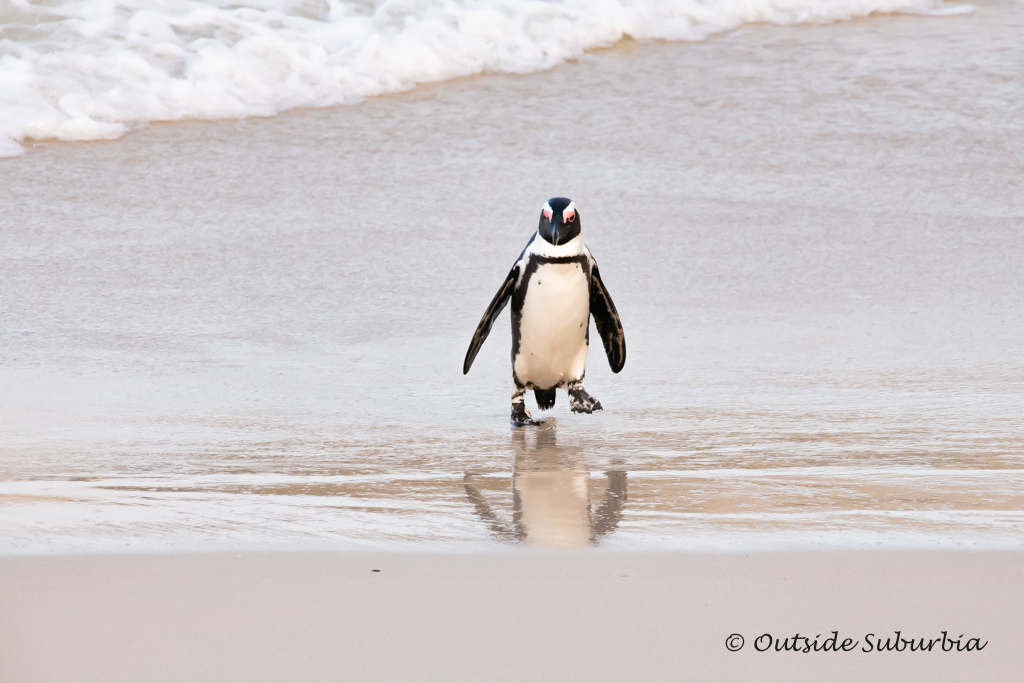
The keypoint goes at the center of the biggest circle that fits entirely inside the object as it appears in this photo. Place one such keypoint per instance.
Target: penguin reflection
(552, 494)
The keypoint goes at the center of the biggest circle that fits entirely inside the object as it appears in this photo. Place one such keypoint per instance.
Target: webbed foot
(521, 416)
(582, 402)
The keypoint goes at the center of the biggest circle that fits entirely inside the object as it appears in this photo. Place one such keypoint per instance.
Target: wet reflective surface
(555, 500)
(251, 333)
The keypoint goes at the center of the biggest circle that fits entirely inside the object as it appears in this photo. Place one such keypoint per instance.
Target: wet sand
(503, 616)
(251, 333)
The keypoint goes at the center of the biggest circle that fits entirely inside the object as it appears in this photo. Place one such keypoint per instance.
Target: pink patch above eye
(547, 214)
(569, 216)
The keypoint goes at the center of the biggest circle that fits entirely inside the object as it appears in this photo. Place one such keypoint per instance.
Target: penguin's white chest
(553, 326)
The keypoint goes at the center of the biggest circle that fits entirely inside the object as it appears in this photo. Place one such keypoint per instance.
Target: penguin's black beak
(562, 227)
(556, 231)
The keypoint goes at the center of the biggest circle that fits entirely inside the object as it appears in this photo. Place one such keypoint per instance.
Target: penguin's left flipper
(498, 304)
(607, 320)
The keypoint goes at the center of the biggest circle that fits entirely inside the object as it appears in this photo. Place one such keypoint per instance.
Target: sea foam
(94, 69)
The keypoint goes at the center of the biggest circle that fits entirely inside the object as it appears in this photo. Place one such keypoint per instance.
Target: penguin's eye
(547, 214)
(571, 217)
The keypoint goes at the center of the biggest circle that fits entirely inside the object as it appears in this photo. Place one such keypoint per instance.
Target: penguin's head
(559, 221)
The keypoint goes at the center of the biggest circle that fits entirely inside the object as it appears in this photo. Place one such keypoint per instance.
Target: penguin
(555, 286)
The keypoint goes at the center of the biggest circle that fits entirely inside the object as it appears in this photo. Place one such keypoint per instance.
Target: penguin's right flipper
(498, 304)
(607, 320)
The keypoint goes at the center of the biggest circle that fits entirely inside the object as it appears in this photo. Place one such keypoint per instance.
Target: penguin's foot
(521, 416)
(582, 402)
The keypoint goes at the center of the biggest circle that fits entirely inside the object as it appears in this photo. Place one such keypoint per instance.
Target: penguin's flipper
(498, 304)
(607, 320)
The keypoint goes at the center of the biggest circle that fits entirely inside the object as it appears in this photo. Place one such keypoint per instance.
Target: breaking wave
(93, 69)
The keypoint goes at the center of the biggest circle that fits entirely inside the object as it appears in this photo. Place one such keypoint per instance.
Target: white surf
(94, 69)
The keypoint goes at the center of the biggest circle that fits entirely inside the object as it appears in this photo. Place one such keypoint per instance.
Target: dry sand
(537, 616)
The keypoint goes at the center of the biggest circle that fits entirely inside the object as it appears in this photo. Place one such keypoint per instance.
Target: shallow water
(250, 333)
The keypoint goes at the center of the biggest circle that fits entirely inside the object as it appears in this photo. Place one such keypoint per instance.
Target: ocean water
(249, 332)
(94, 69)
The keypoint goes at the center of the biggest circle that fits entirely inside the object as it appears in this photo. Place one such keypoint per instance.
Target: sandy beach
(506, 616)
(230, 373)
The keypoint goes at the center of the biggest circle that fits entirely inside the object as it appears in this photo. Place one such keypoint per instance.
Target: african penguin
(555, 287)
